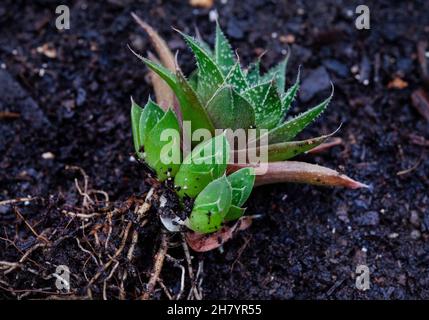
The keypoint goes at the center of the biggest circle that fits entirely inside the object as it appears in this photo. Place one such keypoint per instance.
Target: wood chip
(290, 38)
(397, 83)
(48, 50)
(8, 115)
(206, 4)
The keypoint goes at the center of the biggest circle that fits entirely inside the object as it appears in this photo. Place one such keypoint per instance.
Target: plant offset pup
(220, 94)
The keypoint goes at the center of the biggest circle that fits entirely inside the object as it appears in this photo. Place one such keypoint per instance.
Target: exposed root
(157, 266)
(193, 293)
(102, 243)
(17, 200)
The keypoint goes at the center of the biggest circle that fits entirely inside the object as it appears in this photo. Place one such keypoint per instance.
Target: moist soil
(65, 102)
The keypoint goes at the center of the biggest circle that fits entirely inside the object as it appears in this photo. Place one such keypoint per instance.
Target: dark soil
(311, 239)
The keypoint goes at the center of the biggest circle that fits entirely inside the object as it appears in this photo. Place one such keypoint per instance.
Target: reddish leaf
(327, 145)
(207, 242)
(300, 172)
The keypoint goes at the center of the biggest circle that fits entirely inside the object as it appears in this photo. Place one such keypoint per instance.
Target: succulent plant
(221, 94)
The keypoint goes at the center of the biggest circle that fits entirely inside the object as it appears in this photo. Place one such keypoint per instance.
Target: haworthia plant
(221, 94)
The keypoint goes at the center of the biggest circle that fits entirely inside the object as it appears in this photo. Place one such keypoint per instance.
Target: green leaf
(136, 111)
(228, 109)
(192, 108)
(290, 95)
(210, 77)
(204, 44)
(143, 120)
(210, 207)
(288, 130)
(236, 78)
(286, 150)
(278, 73)
(190, 105)
(151, 115)
(234, 213)
(164, 156)
(256, 95)
(267, 104)
(162, 71)
(193, 80)
(270, 114)
(242, 184)
(253, 73)
(224, 55)
(205, 163)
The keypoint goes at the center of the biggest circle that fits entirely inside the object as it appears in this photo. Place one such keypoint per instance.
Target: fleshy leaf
(234, 213)
(256, 94)
(202, 43)
(193, 80)
(288, 130)
(299, 172)
(164, 156)
(277, 73)
(206, 242)
(151, 115)
(211, 207)
(162, 71)
(192, 108)
(143, 120)
(267, 104)
(290, 95)
(269, 115)
(327, 145)
(210, 77)
(286, 150)
(205, 163)
(242, 184)
(253, 73)
(236, 78)
(136, 112)
(161, 47)
(224, 55)
(228, 109)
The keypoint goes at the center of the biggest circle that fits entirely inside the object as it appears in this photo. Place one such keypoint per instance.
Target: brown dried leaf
(207, 242)
(164, 95)
(300, 172)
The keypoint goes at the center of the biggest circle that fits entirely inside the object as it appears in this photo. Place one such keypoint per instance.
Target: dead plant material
(397, 83)
(202, 243)
(411, 169)
(419, 140)
(420, 100)
(157, 267)
(97, 237)
(6, 115)
(206, 4)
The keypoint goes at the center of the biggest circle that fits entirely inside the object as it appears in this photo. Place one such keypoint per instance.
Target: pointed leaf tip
(300, 172)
